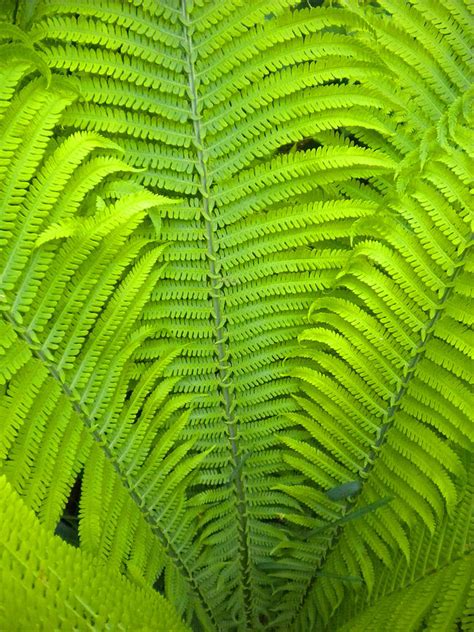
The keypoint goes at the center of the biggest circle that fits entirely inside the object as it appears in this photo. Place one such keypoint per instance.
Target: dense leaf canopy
(235, 319)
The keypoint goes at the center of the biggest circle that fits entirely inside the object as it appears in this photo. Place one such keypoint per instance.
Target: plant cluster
(235, 318)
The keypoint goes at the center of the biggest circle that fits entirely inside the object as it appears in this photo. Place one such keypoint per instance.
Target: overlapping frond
(433, 588)
(387, 370)
(49, 581)
(76, 270)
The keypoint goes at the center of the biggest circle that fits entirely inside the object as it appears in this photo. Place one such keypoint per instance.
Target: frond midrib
(223, 364)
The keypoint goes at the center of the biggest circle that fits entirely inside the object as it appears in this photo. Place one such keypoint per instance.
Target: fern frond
(76, 275)
(434, 588)
(221, 284)
(48, 580)
(381, 373)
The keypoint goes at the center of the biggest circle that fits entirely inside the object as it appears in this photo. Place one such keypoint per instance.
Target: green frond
(48, 580)
(434, 596)
(380, 373)
(76, 277)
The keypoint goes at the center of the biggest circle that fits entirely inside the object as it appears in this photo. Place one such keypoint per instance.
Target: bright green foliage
(75, 276)
(434, 588)
(234, 290)
(48, 581)
(388, 360)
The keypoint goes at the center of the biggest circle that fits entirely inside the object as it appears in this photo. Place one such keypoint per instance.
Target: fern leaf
(71, 317)
(50, 581)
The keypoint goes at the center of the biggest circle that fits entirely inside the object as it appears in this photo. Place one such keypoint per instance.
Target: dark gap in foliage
(303, 145)
(309, 4)
(196, 625)
(354, 137)
(159, 584)
(68, 525)
(263, 619)
(27, 79)
(330, 244)
(8, 10)
(340, 81)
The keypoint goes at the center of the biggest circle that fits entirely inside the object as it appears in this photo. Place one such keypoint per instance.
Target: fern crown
(235, 284)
